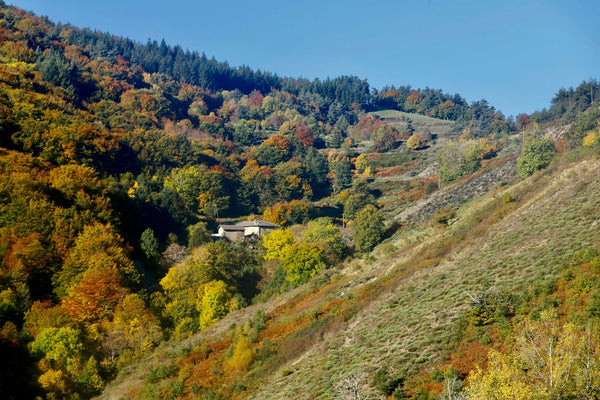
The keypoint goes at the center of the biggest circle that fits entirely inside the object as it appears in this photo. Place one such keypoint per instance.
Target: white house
(245, 229)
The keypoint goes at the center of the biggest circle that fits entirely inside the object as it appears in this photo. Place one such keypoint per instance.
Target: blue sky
(515, 54)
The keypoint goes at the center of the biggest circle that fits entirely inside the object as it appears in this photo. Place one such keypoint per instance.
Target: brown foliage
(95, 296)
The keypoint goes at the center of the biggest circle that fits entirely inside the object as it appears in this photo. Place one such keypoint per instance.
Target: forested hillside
(119, 159)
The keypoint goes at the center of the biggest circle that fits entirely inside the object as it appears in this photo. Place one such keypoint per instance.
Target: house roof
(258, 222)
(232, 227)
(248, 224)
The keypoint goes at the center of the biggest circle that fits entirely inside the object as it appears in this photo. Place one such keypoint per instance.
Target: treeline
(478, 118)
(567, 104)
(330, 95)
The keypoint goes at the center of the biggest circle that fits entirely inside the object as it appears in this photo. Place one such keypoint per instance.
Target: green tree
(60, 346)
(244, 132)
(323, 233)
(302, 261)
(197, 235)
(90, 378)
(536, 154)
(149, 244)
(342, 173)
(368, 228)
(318, 166)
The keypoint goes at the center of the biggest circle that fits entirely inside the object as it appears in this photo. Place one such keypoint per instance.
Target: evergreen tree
(343, 174)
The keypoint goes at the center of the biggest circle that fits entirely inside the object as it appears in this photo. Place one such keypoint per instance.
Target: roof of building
(232, 227)
(249, 224)
(258, 222)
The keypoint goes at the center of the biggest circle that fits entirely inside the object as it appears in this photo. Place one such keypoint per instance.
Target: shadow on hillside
(390, 230)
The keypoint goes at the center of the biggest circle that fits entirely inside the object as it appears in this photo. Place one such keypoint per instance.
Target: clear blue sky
(514, 53)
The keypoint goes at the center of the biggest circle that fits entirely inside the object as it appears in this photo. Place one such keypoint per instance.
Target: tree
(221, 260)
(138, 325)
(318, 167)
(552, 360)
(362, 164)
(244, 132)
(368, 228)
(207, 191)
(60, 346)
(503, 379)
(536, 154)
(90, 379)
(385, 139)
(97, 247)
(459, 158)
(549, 350)
(173, 254)
(215, 302)
(323, 233)
(242, 355)
(94, 297)
(415, 142)
(277, 244)
(353, 387)
(302, 261)
(342, 173)
(149, 244)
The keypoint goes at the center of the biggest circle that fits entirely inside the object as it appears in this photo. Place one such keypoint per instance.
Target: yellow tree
(503, 379)
(550, 351)
(277, 244)
(214, 304)
(139, 325)
(551, 361)
(242, 355)
(302, 262)
(415, 142)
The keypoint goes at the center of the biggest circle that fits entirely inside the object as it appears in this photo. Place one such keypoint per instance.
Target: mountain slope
(399, 307)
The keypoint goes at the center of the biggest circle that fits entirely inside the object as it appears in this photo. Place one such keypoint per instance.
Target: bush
(443, 215)
(535, 155)
(459, 158)
(387, 384)
(415, 142)
(368, 228)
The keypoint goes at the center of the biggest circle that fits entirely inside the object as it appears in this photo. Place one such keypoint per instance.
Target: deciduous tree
(535, 154)
(368, 228)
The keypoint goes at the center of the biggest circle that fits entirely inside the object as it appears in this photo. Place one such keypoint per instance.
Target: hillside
(409, 231)
(400, 306)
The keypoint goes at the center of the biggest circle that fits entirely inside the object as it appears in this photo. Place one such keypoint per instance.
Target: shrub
(443, 215)
(387, 384)
(368, 228)
(415, 142)
(535, 155)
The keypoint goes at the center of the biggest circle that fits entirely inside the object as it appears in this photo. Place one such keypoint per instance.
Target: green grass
(436, 126)
(416, 118)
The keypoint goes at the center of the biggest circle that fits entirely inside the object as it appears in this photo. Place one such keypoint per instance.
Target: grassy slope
(410, 321)
(436, 126)
(399, 304)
